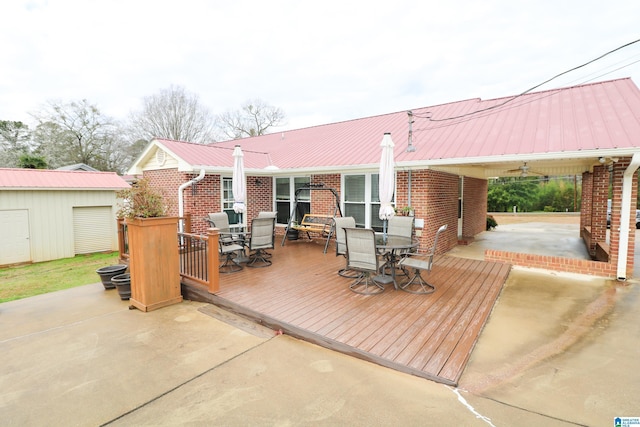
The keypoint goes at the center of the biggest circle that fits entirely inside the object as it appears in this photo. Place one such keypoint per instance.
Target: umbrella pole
(384, 230)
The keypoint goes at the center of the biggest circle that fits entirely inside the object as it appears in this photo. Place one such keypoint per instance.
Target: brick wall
(168, 181)
(323, 202)
(555, 263)
(434, 197)
(474, 206)
(599, 197)
(202, 198)
(616, 202)
(259, 196)
(586, 204)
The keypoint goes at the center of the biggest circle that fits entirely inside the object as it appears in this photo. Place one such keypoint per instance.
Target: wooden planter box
(153, 262)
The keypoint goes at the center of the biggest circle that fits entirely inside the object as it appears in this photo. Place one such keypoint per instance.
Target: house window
(361, 200)
(285, 198)
(227, 201)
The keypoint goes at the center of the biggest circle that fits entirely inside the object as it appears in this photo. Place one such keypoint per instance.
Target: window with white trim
(227, 200)
(285, 198)
(361, 199)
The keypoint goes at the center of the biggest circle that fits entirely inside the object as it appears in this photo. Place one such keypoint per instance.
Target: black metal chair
(363, 258)
(420, 262)
(262, 238)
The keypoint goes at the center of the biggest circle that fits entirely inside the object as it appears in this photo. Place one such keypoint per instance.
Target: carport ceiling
(533, 167)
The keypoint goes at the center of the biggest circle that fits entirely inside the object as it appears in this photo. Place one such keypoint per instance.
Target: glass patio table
(392, 247)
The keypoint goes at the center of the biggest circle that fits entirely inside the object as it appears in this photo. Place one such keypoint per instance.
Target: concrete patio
(558, 350)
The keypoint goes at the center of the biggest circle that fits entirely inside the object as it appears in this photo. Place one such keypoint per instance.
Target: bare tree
(15, 141)
(173, 113)
(254, 118)
(76, 132)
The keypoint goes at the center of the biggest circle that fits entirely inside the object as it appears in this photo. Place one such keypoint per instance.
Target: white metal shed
(52, 214)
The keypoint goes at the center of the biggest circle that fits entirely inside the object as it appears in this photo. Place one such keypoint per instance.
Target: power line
(428, 117)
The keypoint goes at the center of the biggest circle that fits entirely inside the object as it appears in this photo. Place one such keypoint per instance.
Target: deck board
(431, 336)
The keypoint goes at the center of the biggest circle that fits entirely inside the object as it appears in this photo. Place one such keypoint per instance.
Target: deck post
(123, 254)
(213, 260)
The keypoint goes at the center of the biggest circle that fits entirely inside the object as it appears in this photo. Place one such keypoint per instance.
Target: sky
(320, 62)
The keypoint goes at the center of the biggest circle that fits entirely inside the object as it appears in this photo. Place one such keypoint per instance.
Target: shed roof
(573, 124)
(78, 167)
(45, 179)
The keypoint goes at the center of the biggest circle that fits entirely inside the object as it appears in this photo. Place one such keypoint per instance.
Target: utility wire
(425, 116)
(533, 98)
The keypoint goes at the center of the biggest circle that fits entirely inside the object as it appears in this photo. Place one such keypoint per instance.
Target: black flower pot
(292, 234)
(123, 284)
(107, 273)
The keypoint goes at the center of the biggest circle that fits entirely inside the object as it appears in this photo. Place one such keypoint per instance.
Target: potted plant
(292, 233)
(153, 247)
(405, 211)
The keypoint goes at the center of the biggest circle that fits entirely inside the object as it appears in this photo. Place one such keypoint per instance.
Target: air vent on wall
(160, 157)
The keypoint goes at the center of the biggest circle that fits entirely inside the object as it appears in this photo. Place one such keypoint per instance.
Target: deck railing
(198, 254)
(199, 258)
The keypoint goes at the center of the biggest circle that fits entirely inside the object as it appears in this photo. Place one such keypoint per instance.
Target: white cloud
(320, 61)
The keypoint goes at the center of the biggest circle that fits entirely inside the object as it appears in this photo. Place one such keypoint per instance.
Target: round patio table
(391, 247)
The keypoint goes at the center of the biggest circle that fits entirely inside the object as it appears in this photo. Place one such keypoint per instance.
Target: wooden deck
(301, 294)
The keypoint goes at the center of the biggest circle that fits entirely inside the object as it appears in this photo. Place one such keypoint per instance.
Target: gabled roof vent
(161, 157)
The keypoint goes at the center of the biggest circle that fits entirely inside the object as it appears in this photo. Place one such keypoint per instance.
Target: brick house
(444, 155)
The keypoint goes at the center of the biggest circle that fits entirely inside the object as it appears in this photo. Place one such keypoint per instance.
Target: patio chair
(363, 257)
(420, 262)
(220, 220)
(341, 244)
(229, 250)
(401, 226)
(268, 214)
(262, 238)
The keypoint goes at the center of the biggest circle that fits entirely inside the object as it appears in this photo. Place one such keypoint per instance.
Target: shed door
(15, 245)
(93, 229)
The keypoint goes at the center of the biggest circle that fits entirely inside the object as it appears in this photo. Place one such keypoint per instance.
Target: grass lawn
(33, 279)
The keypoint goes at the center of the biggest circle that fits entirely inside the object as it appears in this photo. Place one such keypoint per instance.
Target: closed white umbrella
(238, 185)
(386, 180)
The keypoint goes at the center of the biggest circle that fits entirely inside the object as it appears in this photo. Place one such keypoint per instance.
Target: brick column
(599, 197)
(586, 205)
(616, 202)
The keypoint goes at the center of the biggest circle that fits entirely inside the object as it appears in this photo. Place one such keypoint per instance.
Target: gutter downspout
(409, 189)
(625, 216)
(181, 197)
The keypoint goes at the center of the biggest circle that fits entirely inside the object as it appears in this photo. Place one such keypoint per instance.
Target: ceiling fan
(525, 170)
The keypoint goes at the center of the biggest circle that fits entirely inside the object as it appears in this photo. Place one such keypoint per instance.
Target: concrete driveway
(557, 351)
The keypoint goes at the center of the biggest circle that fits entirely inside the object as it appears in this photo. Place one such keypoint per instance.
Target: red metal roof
(596, 116)
(35, 179)
(214, 155)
